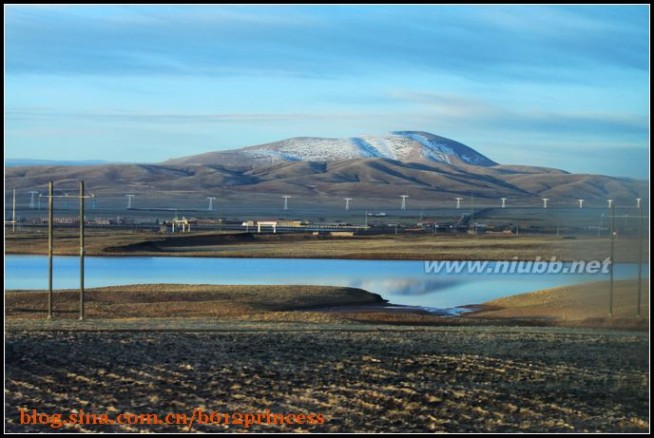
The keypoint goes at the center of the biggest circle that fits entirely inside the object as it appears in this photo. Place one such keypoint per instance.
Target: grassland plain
(384, 247)
(584, 305)
(306, 350)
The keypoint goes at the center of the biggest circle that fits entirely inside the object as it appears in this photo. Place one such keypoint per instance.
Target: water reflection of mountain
(407, 286)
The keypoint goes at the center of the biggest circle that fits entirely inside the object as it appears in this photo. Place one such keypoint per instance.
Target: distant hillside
(29, 162)
(364, 178)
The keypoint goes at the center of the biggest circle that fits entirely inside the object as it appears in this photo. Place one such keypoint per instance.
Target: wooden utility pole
(13, 213)
(51, 246)
(81, 250)
(50, 204)
(612, 230)
(640, 258)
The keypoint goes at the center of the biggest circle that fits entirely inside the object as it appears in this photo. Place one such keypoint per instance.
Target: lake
(400, 282)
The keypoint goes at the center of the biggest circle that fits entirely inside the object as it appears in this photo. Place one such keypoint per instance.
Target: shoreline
(568, 306)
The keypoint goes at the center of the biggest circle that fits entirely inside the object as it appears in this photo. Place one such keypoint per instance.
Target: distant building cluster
(62, 220)
(278, 223)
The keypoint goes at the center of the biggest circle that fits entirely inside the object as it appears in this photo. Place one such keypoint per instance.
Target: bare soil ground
(231, 350)
(401, 247)
(362, 378)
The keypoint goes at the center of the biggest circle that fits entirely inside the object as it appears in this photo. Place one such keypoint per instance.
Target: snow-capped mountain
(421, 165)
(405, 146)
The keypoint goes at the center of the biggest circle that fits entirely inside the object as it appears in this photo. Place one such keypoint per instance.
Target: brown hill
(364, 178)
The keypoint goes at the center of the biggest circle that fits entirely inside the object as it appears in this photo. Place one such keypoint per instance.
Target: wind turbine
(129, 201)
(610, 201)
(32, 197)
(286, 197)
(637, 202)
(403, 201)
(581, 203)
(458, 202)
(347, 203)
(503, 202)
(210, 198)
(545, 202)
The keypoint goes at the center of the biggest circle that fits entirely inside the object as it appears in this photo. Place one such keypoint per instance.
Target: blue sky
(565, 87)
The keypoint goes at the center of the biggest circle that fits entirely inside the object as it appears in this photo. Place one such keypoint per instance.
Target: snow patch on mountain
(433, 150)
(442, 149)
(309, 149)
(273, 155)
(391, 146)
(399, 145)
(429, 144)
(366, 148)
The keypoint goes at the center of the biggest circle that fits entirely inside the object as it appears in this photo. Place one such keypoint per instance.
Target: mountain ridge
(416, 146)
(415, 163)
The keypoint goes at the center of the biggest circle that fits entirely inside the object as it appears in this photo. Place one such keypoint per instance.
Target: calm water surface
(401, 282)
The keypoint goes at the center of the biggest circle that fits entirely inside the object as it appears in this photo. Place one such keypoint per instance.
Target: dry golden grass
(66, 240)
(401, 247)
(265, 303)
(584, 304)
